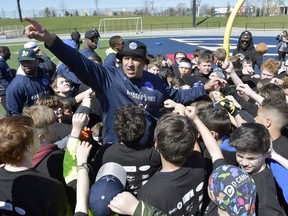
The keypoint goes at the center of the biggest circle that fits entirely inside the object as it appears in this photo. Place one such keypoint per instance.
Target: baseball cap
(92, 34)
(133, 48)
(32, 45)
(246, 35)
(232, 190)
(26, 54)
(110, 180)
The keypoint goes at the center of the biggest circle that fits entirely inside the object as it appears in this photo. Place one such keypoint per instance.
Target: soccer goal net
(131, 24)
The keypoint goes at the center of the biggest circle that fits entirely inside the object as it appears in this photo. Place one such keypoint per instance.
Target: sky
(11, 5)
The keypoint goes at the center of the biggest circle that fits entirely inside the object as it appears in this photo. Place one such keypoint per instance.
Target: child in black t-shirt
(177, 187)
(22, 189)
(140, 163)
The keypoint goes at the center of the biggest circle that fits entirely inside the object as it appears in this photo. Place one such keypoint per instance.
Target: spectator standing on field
(245, 48)
(282, 47)
(116, 44)
(5, 73)
(91, 40)
(44, 62)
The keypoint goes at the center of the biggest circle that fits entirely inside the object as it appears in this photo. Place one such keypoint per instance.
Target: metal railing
(183, 26)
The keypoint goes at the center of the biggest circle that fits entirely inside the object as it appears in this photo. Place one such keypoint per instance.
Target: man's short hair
(175, 137)
(251, 138)
(113, 40)
(277, 110)
(3, 49)
(273, 91)
(130, 124)
(16, 134)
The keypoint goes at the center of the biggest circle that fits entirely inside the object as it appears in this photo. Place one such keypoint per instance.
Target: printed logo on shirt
(35, 97)
(45, 81)
(130, 168)
(145, 176)
(9, 207)
(187, 197)
(149, 86)
(130, 178)
(144, 168)
(141, 97)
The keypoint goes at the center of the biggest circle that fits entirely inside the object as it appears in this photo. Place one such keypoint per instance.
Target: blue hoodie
(114, 89)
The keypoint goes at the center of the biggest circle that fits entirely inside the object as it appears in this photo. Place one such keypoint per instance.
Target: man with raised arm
(115, 87)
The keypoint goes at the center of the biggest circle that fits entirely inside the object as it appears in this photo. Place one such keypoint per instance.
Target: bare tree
(146, 7)
(271, 6)
(205, 10)
(181, 7)
(62, 6)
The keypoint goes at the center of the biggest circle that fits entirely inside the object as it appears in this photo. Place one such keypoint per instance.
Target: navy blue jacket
(88, 52)
(5, 76)
(24, 90)
(114, 89)
(63, 70)
(110, 60)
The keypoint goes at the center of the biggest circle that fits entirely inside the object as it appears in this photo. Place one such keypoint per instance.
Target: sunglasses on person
(96, 39)
(245, 41)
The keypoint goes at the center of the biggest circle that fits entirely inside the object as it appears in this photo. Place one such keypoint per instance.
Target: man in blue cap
(91, 41)
(127, 84)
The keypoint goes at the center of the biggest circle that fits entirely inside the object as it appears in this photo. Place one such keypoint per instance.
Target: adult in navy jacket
(26, 88)
(115, 87)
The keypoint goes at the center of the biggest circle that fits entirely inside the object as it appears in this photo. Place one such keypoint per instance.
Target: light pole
(19, 10)
(194, 13)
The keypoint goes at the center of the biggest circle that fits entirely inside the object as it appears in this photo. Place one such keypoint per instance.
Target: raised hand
(169, 103)
(190, 112)
(83, 151)
(79, 121)
(227, 66)
(38, 32)
(244, 89)
(124, 203)
(214, 84)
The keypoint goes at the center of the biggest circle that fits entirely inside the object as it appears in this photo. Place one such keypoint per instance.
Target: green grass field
(14, 47)
(65, 25)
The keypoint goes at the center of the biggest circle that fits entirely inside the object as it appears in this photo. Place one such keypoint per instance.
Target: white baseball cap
(31, 45)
